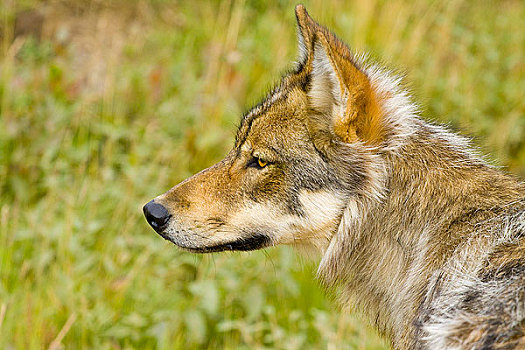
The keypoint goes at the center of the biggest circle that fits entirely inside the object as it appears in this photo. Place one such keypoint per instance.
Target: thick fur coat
(412, 226)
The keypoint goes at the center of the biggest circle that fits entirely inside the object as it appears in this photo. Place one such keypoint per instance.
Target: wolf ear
(338, 87)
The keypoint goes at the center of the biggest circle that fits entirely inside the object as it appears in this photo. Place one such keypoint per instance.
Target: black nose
(156, 215)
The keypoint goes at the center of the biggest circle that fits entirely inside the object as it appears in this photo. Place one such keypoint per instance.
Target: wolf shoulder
(478, 300)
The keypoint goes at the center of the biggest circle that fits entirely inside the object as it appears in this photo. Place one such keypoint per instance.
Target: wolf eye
(262, 163)
(257, 162)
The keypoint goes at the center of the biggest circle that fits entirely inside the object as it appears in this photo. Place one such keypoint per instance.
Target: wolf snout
(156, 215)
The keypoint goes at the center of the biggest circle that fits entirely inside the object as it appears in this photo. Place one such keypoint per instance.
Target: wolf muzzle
(156, 215)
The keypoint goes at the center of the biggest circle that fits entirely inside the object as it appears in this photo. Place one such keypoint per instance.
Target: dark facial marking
(253, 242)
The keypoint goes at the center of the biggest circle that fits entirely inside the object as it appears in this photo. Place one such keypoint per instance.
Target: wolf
(412, 226)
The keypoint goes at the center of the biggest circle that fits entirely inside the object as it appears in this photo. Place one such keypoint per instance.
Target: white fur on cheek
(322, 209)
(321, 212)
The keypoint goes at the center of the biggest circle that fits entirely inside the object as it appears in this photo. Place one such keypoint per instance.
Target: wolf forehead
(287, 101)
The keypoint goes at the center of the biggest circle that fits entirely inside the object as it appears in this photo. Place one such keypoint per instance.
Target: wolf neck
(386, 250)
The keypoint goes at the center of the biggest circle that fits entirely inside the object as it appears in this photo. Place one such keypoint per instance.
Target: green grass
(117, 103)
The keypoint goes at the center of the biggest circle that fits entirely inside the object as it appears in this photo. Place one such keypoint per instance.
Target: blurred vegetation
(104, 105)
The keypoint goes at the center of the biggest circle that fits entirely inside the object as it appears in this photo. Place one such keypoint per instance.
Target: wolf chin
(412, 226)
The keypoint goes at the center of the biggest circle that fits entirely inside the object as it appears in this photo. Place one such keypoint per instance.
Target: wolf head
(310, 149)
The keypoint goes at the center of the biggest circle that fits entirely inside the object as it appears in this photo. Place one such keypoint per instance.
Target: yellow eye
(262, 163)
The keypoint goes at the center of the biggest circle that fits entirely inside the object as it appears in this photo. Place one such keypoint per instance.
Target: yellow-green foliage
(120, 100)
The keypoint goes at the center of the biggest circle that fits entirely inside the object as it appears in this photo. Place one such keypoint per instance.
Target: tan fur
(413, 227)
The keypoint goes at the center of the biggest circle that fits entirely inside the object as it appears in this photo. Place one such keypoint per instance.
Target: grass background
(104, 105)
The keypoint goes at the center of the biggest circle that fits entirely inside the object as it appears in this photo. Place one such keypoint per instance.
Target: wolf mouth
(253, 242)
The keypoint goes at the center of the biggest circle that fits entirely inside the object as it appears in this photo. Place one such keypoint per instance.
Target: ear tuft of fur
(326, 93)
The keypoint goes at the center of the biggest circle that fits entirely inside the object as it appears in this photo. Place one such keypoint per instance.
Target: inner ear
(327, 91)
